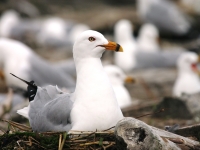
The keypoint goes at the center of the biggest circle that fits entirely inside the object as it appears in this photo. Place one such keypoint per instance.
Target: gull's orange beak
(129, 79)
(2, 76)
(113, 46)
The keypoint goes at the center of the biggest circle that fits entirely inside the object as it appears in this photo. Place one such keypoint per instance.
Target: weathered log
(135, 134)
(189, 131)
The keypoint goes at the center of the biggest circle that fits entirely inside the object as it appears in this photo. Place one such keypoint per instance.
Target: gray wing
(50, 110)
(167, 17)
(157, 59)
(44, 73)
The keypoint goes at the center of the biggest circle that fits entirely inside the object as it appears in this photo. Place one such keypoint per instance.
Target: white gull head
(148, 38)
(188, 80)
(118, 79)
(123, 33)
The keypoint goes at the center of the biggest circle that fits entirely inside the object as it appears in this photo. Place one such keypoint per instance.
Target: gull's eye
(91, 39)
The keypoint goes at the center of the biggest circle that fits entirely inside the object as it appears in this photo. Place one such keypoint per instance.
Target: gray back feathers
(44, 114)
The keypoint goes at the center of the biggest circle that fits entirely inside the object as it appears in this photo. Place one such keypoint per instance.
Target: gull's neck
(192, 75)
(95, 106)
(92, 81)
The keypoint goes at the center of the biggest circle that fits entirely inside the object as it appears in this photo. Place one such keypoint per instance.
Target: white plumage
(188, 79)
(117, 78)
(148, 38)
(135, 58)
(19, 59)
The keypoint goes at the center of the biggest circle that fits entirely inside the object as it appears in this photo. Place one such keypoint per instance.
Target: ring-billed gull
(123, 35)
(8, 21)
(148, 38)
(93, 105)
(64, 35)
(133, 57)
(19, 59)
(118, 78)
(188, 75)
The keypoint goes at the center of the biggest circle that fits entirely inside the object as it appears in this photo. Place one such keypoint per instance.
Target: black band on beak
(117, 48)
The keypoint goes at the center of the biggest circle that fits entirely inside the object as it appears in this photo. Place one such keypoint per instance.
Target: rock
(185, 107)
(135, 134)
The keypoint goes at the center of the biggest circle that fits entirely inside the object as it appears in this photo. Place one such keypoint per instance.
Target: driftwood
(134, 134)
(189, 131)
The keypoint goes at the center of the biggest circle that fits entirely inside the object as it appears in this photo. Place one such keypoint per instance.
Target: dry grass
(21, 137)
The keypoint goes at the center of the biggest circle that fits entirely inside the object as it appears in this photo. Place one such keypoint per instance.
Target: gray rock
(185, 107)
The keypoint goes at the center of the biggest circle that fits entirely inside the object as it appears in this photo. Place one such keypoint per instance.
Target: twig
(94, 143)
(107, 146)
(150, 113)
(76, 141)
(83, 136)
(51, 133)
(63, 141)
(18, 125)
(19, 144)
(109, 128)
(60, 139)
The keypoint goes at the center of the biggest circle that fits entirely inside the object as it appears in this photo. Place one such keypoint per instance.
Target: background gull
(118, 78)
(165, 15)
(123, 35)
(13, 26)
(93, 105)
(148, 38)
(65, 34)
(19, 59)
(133, 57)
(188, 75)
(8, 21)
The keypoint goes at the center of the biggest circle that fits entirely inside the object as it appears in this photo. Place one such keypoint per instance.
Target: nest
(21, 137)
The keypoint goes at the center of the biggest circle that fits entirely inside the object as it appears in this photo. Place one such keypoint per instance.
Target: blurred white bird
(53, 32)
(123, 34)
(148, 38)
(133, 57)
(118, 78)
(58, 32)
(17, 58)
(165, 15)
(13, 26)
(8, 21)
(188, 75)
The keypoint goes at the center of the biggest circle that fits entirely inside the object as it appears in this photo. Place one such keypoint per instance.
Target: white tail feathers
(24, 112)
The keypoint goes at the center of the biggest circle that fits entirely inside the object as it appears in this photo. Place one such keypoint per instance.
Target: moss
(29, 140)
(32, 141)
